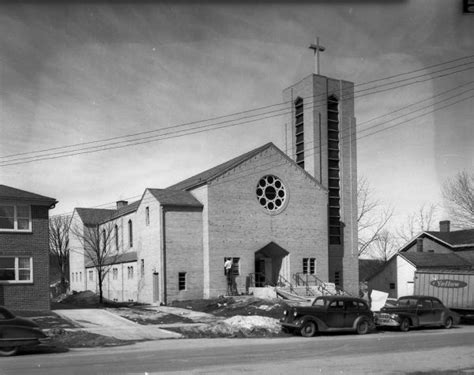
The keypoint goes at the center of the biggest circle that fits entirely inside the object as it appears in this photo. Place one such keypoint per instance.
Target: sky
(73, 72)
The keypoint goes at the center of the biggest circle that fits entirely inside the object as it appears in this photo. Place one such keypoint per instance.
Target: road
(422, 351)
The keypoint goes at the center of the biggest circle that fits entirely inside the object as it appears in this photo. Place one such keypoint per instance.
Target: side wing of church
(263, 218)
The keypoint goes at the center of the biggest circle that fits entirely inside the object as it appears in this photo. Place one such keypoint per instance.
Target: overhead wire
(312, 150)
(134, 142)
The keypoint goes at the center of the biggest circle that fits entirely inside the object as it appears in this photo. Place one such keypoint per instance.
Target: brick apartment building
(24, 249)
(274, 213)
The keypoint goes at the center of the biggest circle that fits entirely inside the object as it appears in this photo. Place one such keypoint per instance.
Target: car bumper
(387, 322)
(290, 326)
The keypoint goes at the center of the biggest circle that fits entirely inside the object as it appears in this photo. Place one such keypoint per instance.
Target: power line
(312, 150)
(72, 152)
(191, 131)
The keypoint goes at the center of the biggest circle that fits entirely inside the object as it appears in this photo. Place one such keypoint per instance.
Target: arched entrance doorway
(271, 262)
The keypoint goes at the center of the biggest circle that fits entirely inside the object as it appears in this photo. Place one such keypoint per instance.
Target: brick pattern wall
(239, 226)
(33, 296)
(148, 245)
(183, 247)
(315, 90)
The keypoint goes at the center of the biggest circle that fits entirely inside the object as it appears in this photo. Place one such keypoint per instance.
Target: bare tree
(425, 218)
(385, 246)
(99, 249)
(458, 192)
(59, 246)
(372, 216)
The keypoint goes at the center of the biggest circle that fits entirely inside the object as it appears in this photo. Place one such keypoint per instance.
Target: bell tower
(321, 139)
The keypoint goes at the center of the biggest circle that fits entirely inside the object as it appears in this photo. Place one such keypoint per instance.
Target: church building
(280, 216)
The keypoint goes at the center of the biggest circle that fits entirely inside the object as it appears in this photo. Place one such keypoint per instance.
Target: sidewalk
(105, 323)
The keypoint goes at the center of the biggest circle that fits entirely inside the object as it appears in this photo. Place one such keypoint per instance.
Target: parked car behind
(416, 311)
(16, 332)
(329, 313)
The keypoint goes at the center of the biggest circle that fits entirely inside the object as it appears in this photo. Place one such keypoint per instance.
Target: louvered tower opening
(333, 172)
(299, 132)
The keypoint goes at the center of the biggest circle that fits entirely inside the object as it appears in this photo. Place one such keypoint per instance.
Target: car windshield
(319, 302)
(5, 314)
(407, 302)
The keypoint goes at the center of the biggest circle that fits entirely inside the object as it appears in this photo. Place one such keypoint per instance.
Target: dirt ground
(238, 305)
(239, 316)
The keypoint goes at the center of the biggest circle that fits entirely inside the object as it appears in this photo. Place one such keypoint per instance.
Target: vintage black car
(329, 313)
(416, 311)
(16, 332)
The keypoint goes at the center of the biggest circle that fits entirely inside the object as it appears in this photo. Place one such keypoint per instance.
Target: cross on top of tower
(316, 48)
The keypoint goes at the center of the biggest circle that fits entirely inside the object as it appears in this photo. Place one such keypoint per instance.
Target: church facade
(276, 214)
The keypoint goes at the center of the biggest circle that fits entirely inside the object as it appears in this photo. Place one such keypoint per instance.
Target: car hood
(395, 309)
(18, 321)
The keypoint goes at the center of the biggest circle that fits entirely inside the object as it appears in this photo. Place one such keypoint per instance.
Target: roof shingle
(434, 260)
(8, 192)
(177, 198)
(455, 238)
(218, 170)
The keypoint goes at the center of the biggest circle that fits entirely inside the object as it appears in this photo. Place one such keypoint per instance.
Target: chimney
(444, 226)
(419, 245)
(121, 204)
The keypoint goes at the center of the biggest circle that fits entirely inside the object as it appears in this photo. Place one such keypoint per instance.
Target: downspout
(163, 258)
(121, 266)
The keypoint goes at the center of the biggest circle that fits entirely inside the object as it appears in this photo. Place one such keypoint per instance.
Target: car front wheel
(405, 325)
(362, 327)
(8, 351)
(308, 329)
(448, 323)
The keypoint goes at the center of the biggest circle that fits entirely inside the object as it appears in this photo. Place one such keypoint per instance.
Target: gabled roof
(455, 238)
(217, 171)
(130, 256)
(210, 174)
(125, 210)
(369, 268)
(435, 260)
(11, 193)
(175, 198)
(94, 216)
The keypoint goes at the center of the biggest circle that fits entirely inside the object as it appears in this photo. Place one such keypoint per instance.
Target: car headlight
(295, 314)
(285, 312)
(393, 316)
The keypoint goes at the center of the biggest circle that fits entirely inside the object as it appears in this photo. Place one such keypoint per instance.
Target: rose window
(271, 193)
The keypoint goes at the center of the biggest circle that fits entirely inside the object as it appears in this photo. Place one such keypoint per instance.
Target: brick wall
(239, 226)
(148, 245)
(34, 296)
(315, 90)
(183, 249)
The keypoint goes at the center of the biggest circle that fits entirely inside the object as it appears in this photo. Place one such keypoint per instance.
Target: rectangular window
(182, 281)
(80, 276)
(116, 238)
(16, 269)
(147, 215)
(114, 273)
(337, 278)
(15, 218)
(130, 233)
(309, 266)
(142, 268)
(91, 275)
(232, 264)
(130, 272)
(392, 285)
